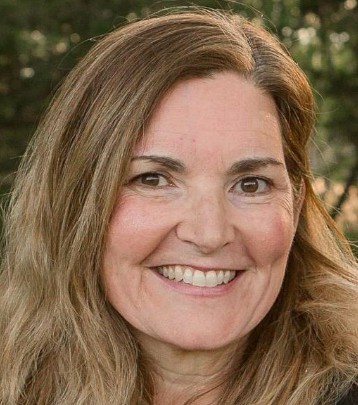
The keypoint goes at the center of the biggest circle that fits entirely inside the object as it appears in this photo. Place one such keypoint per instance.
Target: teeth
(211, 278)
(171, 273)
(188, 276)
(198, 278)
(226, 277)
(178, 273)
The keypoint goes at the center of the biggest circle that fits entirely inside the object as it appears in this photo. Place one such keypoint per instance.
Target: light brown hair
(61, 342)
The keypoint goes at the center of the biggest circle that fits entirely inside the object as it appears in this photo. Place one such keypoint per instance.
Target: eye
(251, 185)
(151, 180)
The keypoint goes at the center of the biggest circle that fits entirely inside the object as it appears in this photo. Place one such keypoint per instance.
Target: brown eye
(251, 185)
(152, 180)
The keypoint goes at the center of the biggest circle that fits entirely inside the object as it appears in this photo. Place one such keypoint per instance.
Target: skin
(205, 215)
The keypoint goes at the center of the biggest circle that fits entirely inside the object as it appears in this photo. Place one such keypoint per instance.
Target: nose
(206, 224)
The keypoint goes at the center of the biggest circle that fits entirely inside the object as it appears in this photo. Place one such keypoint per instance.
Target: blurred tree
(40, 41)
(332, 66)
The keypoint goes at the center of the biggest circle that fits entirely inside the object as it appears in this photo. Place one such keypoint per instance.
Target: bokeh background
(41, 40)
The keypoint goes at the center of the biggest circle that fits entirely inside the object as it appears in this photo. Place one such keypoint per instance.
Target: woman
(163, 242)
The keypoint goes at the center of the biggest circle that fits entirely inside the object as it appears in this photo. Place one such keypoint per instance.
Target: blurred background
(41, 40)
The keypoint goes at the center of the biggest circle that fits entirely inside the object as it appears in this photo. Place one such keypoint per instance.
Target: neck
(180, 375)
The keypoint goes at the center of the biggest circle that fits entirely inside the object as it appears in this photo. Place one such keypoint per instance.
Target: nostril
(208, 226)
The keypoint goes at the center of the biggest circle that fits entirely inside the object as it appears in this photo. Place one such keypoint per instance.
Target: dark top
(351, 398)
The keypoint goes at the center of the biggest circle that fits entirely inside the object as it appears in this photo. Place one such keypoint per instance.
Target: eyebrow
(242, 166)
(252, 164)
(165, 161)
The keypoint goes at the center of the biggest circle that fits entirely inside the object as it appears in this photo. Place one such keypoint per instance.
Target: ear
(299, 198)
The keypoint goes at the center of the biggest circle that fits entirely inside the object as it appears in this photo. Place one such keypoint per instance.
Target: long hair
(61, 342)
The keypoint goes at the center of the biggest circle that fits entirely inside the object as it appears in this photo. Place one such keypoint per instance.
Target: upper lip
(201, 268)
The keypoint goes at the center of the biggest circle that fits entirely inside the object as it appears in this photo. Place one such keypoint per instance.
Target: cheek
(136, 227)
(135, 230)
(268, 235)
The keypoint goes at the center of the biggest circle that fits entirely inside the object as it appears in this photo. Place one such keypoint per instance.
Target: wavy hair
(61, 341)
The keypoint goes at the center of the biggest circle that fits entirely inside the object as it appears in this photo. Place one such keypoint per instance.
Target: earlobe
(299, 198)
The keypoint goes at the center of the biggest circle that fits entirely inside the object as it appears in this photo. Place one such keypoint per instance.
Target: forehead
(220, 115)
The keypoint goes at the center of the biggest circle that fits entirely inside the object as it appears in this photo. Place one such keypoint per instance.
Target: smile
(198, 278)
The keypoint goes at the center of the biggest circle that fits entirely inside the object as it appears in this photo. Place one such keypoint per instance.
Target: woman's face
(198, 243)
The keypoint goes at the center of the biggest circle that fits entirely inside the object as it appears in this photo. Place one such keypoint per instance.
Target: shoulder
(351, 398)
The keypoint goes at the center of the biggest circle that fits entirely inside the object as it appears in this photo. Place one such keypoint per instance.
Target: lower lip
(192, 290)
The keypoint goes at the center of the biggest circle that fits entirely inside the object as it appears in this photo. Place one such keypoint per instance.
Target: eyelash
(158, 176)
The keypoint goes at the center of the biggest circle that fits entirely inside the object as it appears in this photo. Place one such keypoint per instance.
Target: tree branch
(353, 174)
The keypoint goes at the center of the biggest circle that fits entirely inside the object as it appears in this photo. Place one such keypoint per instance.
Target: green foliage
(352, 236)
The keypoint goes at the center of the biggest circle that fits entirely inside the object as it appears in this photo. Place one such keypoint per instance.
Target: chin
(200, 340)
